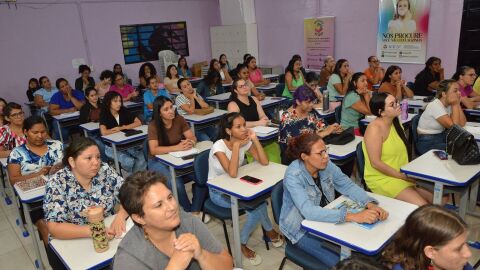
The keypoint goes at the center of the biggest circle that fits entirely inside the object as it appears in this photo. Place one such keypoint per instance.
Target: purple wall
(280, 31)
(36, 42)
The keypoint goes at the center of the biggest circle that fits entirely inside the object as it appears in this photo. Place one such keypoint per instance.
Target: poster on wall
(402, 31)
(318, 40)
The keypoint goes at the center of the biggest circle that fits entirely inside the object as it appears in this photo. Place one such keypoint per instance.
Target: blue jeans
(199, 193)
(207, 134)
(428, 142)
(314, 246)
(132, 159)
(255, 216)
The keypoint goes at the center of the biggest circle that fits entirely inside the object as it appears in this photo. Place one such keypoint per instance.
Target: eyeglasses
(322, 153)
(16, 115)
(472, 75)
(242, 86)
(375, 61)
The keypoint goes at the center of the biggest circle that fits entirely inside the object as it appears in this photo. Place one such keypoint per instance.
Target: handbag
(342, 138)
(462, 146)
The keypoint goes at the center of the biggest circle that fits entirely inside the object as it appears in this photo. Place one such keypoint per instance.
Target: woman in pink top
(125, 90)
(465, 77)
(254, 73)
(105, 82)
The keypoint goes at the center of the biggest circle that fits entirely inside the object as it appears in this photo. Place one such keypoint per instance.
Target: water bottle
(326, 101)
(97, 226)
(404, 109)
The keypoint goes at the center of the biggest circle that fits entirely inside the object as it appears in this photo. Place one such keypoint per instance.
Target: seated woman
(309, 185)
(311, 82)
(183, 69)
(124, 89)
(115, 118)
(189, 102)
(42, 97)
(439, 115)
(393, 84)
(32, 87)
(211, 85)
(224, 64)
(11, 134)
(117, 69)
(84, 182)
(171, 79)
(426, 82)
(226, 156)
(242, 73)
(254, 73)
(146, 71)
(90, 112)
(465, 77)
(84, 81)
(431, 238)
(3, 103)
(326, 71)
(224, 76)
(293, 77)
(355, 103)
(374, 73)
(338, 82)
(385, 149)
(301, 119)
(169, 132)
(105, 83)
(32, 159)
(152, 92)
(164, 236)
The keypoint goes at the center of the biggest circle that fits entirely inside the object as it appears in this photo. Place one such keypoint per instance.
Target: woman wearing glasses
(309, 185)
(465, 77)
(385, 149)
(11, 134)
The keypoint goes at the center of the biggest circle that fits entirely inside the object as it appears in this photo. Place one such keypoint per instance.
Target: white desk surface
(67, 116)
(417, 101)
(130, 104)
(220, 97)
(429, 167)
(266, 136)
(90, 126)
(31, 196)
(179, 163)
(370, 118)
(344, 151)
(120, 138)
(474, 128)
(271, 101)
(198, 119)
(270, 174)
(268, 86)
(324, 114)
(269, 76)
(80, 254)
(226, 84)
(194, 79)
(367, 241)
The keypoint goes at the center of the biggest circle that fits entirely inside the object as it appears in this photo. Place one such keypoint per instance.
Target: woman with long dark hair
(339, 80)
(393, 83)
(355, 103)
(211, 85)
(293, 77)
(171, 79)
(465, 77)
(183, 69)
(385, 148)
(224, 75)
(426, 82)
(146, 71)
(33, 86)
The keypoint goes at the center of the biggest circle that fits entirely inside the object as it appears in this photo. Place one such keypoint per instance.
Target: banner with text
(319, 40)
(403, 30)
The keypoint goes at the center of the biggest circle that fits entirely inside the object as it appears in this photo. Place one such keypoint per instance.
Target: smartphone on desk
(251, 180)
(441, 154)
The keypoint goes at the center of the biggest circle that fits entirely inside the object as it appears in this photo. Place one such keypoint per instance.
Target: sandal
(255, 259)
(277, 241)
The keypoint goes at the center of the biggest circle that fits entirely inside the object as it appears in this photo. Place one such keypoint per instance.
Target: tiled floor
(16, 252)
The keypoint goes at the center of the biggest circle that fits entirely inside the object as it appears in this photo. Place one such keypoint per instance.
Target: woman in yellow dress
(385, 150)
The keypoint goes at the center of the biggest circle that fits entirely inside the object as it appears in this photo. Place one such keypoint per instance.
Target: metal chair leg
(283, 263)
(226, 237)
(266, 239)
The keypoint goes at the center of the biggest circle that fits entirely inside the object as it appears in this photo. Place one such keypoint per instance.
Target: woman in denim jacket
(309, 185)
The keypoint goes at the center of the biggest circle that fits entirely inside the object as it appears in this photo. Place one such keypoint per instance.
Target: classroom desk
(416, 103)
(262, 136)
(326, 114)
(474, 128)
(370, 118)
(339, 97)
(271, 77)
(269, 88)
(175, 163)
(219, 99)
(120, 139)
(195, 119)
(65, 118)
(351, 236)
(442, 173)
(340, 152)
(89, 127)
(26, 198)
(472, 112)
(80, 254)
(238, 189)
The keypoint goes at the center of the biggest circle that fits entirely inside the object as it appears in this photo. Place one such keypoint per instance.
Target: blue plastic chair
(361, 165)
(293, 253)
(415, 121)
(338, 114)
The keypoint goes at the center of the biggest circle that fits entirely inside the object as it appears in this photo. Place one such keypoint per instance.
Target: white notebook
(264, 130)
(180, 154)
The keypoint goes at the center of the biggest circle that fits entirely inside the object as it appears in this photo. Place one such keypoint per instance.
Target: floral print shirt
(292, 126)
(66, 200)
(30, 162)
(10, 140)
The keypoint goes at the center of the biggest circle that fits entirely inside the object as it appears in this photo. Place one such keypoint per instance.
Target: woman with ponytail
(386, 149)
(309, 185)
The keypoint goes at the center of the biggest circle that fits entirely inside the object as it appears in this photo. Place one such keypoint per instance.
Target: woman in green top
(293, 77)
(385, 149)
(355, 103)
(339, 80)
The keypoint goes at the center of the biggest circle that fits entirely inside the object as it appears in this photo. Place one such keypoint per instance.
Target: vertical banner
(319, 40)
(402, 31)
